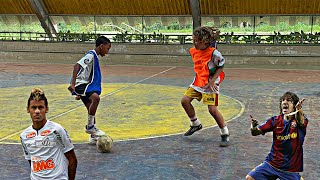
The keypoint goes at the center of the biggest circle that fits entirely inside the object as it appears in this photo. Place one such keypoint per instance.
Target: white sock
(224, 130)
(90, 120)
(195, 121)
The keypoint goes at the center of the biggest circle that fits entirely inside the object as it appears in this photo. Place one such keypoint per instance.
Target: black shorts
(79, 90)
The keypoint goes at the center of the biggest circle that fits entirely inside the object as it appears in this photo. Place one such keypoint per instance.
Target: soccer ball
(104, 143)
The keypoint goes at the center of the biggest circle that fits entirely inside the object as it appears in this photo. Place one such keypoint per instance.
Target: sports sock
(91, 119)
(224, 130)
(195, 121)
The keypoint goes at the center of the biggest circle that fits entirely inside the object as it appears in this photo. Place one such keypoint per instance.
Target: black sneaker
(224, 140)
(193, 129)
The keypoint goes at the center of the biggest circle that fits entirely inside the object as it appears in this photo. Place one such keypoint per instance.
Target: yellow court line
(109, 94)
(153, 137)
(167, 135)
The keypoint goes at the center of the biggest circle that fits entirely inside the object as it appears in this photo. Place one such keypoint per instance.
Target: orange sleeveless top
(200, 60)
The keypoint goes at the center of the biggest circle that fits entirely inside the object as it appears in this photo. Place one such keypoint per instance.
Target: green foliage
(154, 27)
(169, 33)
(123, 37)
(174, 27)
(283, 27)
(17, 27)
(301, 27)
(61, 36)
(265, 28)
(210, 24)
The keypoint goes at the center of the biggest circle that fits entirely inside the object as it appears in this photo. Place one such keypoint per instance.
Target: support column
(43, 17)
(196, 14)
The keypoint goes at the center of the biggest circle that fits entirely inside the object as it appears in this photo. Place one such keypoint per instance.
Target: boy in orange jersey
(208, 66)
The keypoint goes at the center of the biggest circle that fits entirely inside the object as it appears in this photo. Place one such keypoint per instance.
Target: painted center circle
(126, 111)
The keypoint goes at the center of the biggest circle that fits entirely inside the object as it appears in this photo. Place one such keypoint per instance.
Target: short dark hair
(292, 96)
(38, 95)
(102, 40)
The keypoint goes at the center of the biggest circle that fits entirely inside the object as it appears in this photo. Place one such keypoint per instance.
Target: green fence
(227, 38)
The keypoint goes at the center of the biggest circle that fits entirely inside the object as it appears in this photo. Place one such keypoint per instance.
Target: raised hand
(254, 122)
(299, 104)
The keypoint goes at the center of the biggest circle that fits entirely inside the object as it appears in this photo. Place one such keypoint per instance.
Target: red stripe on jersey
(288, 137)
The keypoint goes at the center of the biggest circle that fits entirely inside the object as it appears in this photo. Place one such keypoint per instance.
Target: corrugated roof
(164, 7)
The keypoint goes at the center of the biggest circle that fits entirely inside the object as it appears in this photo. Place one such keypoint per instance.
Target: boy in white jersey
(86, 83)
(46, 144)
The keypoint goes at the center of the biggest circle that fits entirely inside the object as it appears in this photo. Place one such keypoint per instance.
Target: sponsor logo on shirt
(210, 99)
(31, 135)
(86, 61)
(45, 132)
(43, 165)
(286, 137)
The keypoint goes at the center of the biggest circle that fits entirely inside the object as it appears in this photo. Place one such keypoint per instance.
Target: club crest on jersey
(45, 132)
(45, 143)
(293, 124)
(86, 61)
(31, 135)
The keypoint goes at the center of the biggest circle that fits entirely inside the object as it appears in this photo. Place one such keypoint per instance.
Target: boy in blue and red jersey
(285, 159)
(216, 34)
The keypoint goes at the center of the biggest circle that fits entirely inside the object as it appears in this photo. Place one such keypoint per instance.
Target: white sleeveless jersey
(86, 65)
(45, 148)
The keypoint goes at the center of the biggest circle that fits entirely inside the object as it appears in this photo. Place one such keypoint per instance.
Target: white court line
(118, 90)
(238, 115)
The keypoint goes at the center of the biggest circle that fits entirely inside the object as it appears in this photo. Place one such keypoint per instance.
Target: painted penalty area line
(174, 134)
(80, 105)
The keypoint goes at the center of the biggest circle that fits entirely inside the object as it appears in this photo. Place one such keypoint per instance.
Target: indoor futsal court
(270, 47)
(140, 109)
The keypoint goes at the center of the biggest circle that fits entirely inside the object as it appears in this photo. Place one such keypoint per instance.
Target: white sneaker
(94, 131)
(93, 139)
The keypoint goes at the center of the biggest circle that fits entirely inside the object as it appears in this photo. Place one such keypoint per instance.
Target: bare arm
(255, 131)
(72, 166)
(216, 74)
(211, 84)
(300, 114)
(76, 68)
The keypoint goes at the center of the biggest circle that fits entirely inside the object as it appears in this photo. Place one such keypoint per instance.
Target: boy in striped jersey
(285, 159)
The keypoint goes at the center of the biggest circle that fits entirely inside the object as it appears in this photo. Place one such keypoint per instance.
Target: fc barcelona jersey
(287, 148)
